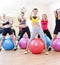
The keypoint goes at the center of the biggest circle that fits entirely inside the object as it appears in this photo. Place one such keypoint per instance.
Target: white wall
(12, 8)
(52, 8)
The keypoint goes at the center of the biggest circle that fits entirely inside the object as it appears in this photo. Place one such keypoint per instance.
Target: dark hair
(35, 9)
(56, 14)
(22, 12)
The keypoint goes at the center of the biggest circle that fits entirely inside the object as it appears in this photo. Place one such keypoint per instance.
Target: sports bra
(7, 22)
(34, 19)
(22, 22)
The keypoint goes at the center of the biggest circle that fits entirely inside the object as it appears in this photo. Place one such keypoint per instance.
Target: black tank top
(57, 27)
(58, 23)
(5, 22)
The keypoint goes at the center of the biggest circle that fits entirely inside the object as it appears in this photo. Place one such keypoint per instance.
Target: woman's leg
(22, 33)
(55, 34)
(28, 32)
(48, 34)
(4, 32)
(33, 34)
(41, 33)
(13, 30)
(1, 31)
(54, 37)
(14, 40)
(19, 33)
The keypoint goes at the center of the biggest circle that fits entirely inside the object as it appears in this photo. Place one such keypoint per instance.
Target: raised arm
(31, 15)
(56, 15)
(19, 18)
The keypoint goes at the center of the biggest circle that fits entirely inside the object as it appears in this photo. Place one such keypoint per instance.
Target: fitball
(56, 45)
(36, 46)
(8, 43)
(23, 43)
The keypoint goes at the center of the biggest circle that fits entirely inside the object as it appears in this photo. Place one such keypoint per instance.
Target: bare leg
(14, 41)
(3, 37)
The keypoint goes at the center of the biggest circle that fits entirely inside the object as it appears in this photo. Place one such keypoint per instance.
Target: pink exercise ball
(23, 43)
(56, 45)
(36, 46)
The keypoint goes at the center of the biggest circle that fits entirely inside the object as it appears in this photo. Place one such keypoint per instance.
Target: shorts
(57, 30)
(6, 30)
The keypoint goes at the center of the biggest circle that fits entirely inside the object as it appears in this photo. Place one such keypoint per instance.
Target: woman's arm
(56, 15)
(31, 15)
(19, 18)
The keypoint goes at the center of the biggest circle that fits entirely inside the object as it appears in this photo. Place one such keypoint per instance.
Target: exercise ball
(48, 41)
(36, 46)
(23, 43)
(0, 37)
(56, 45)
(8, 43)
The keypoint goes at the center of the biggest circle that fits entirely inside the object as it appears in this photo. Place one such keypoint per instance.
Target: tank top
(22, 22)
(44, 25)
(5, 22)
(58, 23)
(34, 19)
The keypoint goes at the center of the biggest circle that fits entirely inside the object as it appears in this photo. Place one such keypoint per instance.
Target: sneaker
(46, 52)
(15, 48)
(26, 52)
(49, 49)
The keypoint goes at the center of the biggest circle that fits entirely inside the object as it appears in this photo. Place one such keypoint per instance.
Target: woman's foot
(46, 52)
(15, 48)
(26, 52)
(49, 49)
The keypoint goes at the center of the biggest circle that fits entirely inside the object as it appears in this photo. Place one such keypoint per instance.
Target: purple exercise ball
(56, 45)
(23, 43)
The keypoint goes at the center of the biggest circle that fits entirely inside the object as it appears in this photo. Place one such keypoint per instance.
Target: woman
(36, 29)
(44, 25)
(7, 29)
(57, 26)
(22, 26)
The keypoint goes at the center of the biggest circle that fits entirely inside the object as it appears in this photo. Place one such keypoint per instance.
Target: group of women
(36, 28)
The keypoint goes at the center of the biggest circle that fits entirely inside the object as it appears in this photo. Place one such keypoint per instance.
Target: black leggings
(21, 33)
(47, 33)
(13, 30)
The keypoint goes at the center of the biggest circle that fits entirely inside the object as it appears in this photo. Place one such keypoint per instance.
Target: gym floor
(19, 58)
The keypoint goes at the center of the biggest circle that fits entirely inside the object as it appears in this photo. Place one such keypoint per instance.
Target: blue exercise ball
(8, 37)
(8, 43)
(48, 41)
(0, 37)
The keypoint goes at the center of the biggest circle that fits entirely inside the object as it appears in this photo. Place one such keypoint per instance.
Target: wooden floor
(19, 58)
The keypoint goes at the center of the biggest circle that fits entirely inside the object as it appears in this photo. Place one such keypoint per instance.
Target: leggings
(26, 29)
(47, 33)
(13, 30)
(39, 31)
